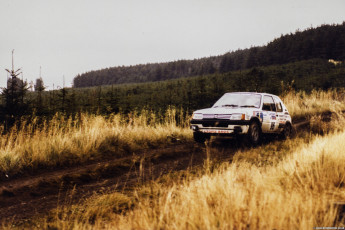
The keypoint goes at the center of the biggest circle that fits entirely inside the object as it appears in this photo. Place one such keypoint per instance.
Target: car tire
(287, 131)
(200, 137)
(254, 133)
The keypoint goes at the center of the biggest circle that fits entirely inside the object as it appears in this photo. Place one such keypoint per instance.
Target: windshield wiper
(229, 105)
(248, 106)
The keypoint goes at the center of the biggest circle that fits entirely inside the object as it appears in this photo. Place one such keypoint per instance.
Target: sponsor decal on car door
(270, 124)
(280, 114)
(274, 121)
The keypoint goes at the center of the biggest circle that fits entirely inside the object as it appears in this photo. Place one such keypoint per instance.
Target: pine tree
(14, 106)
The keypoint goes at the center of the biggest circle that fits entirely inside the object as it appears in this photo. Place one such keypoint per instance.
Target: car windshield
(243, 100)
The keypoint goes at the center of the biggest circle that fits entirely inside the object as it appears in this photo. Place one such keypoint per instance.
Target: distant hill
(202, 91)
(324, 42)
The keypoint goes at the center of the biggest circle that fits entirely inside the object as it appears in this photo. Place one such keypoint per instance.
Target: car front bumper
(216, 126)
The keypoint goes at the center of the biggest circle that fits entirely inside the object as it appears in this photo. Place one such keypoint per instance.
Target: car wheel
(254, 133)
(287, 131)
(200, 137)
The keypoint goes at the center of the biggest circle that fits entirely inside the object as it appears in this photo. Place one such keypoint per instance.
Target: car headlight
(197, 116)
(238, 116)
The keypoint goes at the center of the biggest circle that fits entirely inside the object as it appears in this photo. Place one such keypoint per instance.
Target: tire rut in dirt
(23, 199)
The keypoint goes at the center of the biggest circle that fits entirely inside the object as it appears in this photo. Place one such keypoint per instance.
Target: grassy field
(64, 141)
(292, 184)
(295, 184)
(297, 193)
(301, 104)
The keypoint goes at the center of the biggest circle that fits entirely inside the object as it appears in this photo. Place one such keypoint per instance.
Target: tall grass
(301, 104)
(64, 141)
(295, 191)
(299, 192)
(298, 188)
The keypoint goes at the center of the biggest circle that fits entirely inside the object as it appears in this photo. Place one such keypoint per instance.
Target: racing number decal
(273, 120)
(272, 125)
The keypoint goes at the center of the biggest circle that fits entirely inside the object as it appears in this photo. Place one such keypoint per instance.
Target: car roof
(252, 93)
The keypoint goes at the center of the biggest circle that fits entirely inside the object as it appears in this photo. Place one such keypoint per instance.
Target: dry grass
(291, 185)
(298, 192)
(324, 109)
(63, 141)
(301, 104)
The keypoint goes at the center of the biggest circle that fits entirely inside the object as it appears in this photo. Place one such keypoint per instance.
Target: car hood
(226, 110)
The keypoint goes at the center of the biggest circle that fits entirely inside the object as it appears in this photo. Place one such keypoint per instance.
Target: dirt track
(23, 198)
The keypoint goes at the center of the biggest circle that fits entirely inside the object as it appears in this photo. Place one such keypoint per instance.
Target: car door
(281, 117)
(270, 123)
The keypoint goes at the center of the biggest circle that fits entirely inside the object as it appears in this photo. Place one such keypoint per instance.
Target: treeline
(147, 72)
(324, 42)
(190, 93)
(187, 94)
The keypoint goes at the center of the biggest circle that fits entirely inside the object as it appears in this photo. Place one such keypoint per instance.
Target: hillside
(324, 42)
(185, 94)
(202, 91)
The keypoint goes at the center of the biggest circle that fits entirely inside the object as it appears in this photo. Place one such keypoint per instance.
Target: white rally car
(252, 114)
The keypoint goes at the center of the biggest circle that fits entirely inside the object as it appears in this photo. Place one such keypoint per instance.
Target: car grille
(217, 116)
(215, 124)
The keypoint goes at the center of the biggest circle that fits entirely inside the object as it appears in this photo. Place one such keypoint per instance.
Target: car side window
(279, 106)
(268, 104)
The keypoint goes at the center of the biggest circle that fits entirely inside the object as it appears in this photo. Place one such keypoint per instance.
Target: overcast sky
(68, 37)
